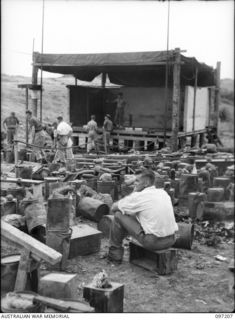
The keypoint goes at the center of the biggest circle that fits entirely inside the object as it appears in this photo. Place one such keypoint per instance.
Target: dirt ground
(200, 284)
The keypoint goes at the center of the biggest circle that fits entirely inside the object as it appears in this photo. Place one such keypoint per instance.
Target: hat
(108, 115)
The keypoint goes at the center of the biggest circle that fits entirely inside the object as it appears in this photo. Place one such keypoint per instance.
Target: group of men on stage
(61, 132)
(108, 125)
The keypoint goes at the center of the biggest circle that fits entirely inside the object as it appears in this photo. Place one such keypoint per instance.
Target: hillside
(55, 99)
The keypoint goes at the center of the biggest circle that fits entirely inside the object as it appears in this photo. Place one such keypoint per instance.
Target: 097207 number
(224, 315)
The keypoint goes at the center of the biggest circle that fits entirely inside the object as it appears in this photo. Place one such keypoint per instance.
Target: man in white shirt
(64, 141)
(146, 214)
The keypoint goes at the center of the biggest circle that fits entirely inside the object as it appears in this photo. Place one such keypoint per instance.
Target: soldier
(11, 125)
(119, 114)
(38, 136)
(120, 109)
(107, 128)
(64, 141)
(146, 214)
(92, 134)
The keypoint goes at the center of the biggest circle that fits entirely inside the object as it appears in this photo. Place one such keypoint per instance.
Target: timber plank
(21, 277)
(37, 248)
(16, 180)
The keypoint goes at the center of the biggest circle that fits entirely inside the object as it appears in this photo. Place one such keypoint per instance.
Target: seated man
(146, 214)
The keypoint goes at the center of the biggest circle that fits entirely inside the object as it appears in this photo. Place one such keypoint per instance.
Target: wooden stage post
(176, 100)
(217, 95)
(34, 81)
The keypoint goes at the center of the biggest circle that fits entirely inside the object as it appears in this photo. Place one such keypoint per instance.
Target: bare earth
(201, 283)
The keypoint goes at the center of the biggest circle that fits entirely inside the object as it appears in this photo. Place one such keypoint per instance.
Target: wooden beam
(217, 95)
(27, 108)
(148, 66)
(37, 184)
(16, 152)
(38, 248)
(23, 181)
(176, 100)
(103, 80)
(34, 82)
(211, 105)
(30, 86)
(21, 277)
(87, 105)
(194, 97)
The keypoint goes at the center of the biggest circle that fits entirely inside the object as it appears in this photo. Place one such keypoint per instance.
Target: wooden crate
(108, 300)
(59, 285)
(161, 261)
(84, 240)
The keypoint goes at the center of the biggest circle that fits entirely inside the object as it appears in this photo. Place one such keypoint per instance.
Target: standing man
(64, 141)
(11, 125)
(92, 134)
(119, 114)
(107, 128)
(38, 136)
(54, 133)
(146, 214)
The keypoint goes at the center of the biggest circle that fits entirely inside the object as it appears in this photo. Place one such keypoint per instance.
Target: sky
(203, 28)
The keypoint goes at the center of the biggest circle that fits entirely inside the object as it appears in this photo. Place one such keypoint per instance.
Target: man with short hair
(64, 142)
(146, 214)
(92, 134)
(38, 136)
(107, 128)
(11, 125)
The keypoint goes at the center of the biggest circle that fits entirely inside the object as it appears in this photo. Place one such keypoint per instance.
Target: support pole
(176, 100)
(103, 80)
(43, 5)
(16, 152)
(27, 108)
(195, 97)
(34, 81)
(166, 101)
(166, 74)
(217, 95)
(211, 106)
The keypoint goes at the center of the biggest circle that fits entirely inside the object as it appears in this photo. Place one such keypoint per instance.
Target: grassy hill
(55, 102)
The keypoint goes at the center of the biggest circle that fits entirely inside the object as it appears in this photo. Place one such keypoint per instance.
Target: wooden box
(59, 285)
(162, 261)
(84, 240)
(108, 300)
(222, 182)
(218, 211)
(9, 207)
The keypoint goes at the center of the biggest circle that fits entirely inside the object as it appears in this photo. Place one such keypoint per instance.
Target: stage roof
(126, 68)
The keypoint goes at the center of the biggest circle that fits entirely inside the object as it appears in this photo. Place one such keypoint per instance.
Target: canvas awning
(128, 68)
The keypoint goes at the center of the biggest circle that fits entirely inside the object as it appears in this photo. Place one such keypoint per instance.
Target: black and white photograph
(117, 159)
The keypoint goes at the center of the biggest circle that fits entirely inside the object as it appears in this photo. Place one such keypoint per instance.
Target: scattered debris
(202, 301)
(101, 280)
(16, 301)
(200, 265)
(16, 220)
(231, 265)
(213, 233)
(220, 258)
